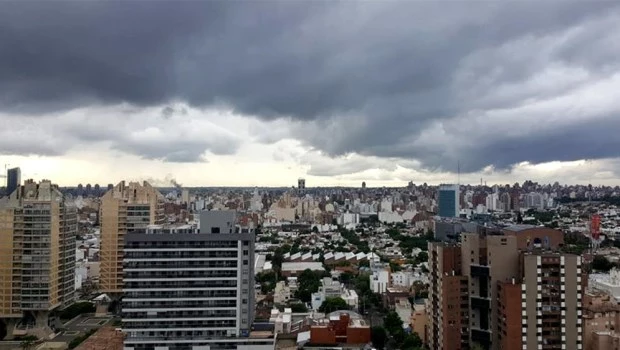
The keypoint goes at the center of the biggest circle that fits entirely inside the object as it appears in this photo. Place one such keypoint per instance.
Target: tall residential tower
(189, 289)
(514, 289)
(124, 209)
(38, 226)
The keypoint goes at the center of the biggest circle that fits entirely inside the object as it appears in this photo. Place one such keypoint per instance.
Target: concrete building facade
(448, 321)
(551, 302)
(191, 289)
(495, 274)
(38, 226)
(126, 208)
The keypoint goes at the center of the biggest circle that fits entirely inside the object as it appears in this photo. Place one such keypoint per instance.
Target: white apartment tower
(188, 289)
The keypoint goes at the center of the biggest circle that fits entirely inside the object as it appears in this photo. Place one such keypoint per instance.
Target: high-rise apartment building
(191, 289)
(448, 197)
(13, 180)
(448, 299)
(551, 304)
(301, 184)
(124, 209)
(38, 226)
(520, 291)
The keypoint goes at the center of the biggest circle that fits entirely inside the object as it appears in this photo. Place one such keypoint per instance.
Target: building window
(246, 243)
(245, 252)
(245, 262)
(215, 230)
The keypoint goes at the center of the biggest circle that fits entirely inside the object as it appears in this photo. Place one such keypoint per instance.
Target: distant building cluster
(523, 266)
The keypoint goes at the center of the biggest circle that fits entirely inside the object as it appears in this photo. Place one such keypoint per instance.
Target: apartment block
(551, 301)
(448, 321)
(38, 226)
(522, 292)
(601, 320)
(487, 260)
(126, 208)
(187, 288)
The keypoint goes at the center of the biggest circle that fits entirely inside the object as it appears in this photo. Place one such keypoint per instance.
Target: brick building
(340, 328)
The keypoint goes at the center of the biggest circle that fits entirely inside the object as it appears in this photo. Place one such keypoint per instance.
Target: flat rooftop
(107, 338)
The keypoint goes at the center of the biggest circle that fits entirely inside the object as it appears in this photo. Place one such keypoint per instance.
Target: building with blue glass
(448, 198)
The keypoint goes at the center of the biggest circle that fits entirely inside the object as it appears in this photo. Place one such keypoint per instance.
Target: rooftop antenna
(458, 172)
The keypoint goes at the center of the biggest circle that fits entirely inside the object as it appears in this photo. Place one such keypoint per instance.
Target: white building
(390, 217)
(380, 277)
(349, 219)
(608, 283)
(81, 274)
(198, 270)
(407, 278)
(333, 289)
(492, 201)
(534, 200)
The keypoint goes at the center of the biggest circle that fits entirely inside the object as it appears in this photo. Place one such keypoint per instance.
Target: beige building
(37, 249)
(493, 291)
(419, 320)
(601, 319)
(124, 209)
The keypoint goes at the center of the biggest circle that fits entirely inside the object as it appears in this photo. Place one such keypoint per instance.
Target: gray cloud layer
(430, 81)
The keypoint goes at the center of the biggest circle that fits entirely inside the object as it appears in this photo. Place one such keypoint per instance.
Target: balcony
(481, 337)
(480, 303)
(479, 271)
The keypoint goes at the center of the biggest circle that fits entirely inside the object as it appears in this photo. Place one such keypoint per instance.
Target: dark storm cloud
(370, 78)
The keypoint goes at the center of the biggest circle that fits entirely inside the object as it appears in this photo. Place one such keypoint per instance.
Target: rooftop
(107, 338)
(519, 228)
(300, 266)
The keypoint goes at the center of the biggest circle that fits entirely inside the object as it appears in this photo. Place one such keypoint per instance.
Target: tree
(378, 336)
(362, 284)
(421, 257)
(308, 283)
(392, 323)
(77, 309)
(600, 263)
(333, 304)
(299, 307)
(395, 267)
(346, 277)
(267, 281)
(315, 229)
(412, 341)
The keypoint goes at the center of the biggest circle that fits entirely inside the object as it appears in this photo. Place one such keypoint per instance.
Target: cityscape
(453, 266)
(309, 175)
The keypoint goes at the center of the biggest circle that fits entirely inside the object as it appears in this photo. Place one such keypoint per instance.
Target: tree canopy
(333, 304)
(378, 336)
(308, 282)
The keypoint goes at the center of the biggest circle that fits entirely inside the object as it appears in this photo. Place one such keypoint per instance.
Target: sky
(260, 93)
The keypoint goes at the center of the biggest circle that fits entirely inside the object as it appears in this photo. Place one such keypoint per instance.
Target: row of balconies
(179, 324)
(174, 294)
(178, 304)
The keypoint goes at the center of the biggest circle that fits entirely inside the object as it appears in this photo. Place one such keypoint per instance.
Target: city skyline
(580, 175)
(261, 94)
